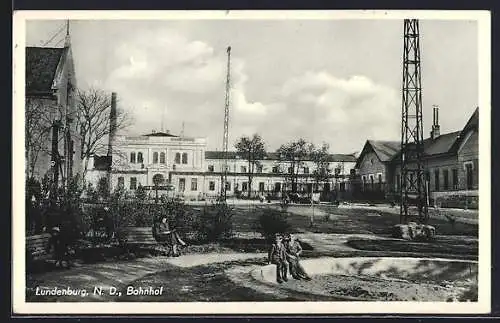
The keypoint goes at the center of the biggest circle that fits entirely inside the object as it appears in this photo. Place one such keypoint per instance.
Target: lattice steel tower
(226, 127)
(413, 182)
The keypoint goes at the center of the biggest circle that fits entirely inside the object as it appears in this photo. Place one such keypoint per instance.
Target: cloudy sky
(334, 81)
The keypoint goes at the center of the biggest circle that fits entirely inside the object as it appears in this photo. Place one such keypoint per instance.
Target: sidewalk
(118, 273)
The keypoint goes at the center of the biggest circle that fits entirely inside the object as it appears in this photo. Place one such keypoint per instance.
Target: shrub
(215, 223)
(271, 222)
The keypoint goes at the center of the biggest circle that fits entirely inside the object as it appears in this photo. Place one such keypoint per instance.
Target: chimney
(112, 124)
(435, 122)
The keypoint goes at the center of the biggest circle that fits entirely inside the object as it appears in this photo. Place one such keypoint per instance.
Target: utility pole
(412, 147)
(226, 127)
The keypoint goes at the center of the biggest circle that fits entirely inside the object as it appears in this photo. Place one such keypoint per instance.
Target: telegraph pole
(412, 148)
(226, 127)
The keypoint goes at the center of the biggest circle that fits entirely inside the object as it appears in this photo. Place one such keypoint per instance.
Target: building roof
(275, 156)
(445, 143)
(385, 150)
(41, 67)
(441, 144)
(160, 134)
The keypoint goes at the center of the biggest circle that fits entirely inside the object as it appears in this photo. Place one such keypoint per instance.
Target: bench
(36, 247)
(138, 240)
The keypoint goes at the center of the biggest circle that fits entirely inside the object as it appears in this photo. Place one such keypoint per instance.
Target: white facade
(195, 172)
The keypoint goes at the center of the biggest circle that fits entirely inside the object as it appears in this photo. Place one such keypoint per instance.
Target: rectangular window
(211, 186)
(454, 175)
(139, 158)
(259, 169)
(155, 157)
(228, 186)
(445, 180)
(244, 186)
(436, 180)
(277, 187)
(261, 187)
(342, 186)
(398, 182)
(275, 169)
(290, 170)
(177, 159)
(211, 168)
(371, 182)
(194, 184)
(469, 176)
(121, 182)
(243, 169)
(184, 158)
(132, 158)
(306, 170)
(182, 184)
(133, 183)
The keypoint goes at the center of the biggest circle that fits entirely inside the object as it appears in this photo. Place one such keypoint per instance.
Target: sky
(332, 81)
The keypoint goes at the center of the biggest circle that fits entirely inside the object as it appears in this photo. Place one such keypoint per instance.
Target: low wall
(384, 267)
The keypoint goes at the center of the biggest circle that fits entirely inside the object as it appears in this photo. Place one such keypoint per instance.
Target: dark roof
(385, 150)
(441, 144)
(102, 162)
(160, 134)
(275, 156)
(41, 66)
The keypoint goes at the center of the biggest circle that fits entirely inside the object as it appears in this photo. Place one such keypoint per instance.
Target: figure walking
(59, 245)
(277, 256)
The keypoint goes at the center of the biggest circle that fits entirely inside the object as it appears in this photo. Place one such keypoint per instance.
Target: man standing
(277, 256)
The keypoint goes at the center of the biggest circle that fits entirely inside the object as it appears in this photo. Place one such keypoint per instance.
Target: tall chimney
(435, 122)
(112, 124)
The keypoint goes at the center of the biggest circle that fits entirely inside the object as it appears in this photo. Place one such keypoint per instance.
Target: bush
(215, 223)
(271, 222)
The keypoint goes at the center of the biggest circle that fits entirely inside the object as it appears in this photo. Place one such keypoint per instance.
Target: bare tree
(253, 150)
(321, 158)
(93, 118)
(294, 154)
(39, 117)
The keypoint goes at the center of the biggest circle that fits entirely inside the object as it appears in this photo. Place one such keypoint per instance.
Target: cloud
(164, 73)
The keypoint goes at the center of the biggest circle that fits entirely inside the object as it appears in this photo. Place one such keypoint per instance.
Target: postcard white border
(20, 306)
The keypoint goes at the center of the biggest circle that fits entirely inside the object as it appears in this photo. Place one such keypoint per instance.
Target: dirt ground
(371, 288)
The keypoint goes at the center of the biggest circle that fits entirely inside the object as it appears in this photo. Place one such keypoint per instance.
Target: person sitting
(277, 256)
(165, 235)
(293, 252)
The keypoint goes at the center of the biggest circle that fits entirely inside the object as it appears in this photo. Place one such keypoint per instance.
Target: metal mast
(226, 126)
(413, 184)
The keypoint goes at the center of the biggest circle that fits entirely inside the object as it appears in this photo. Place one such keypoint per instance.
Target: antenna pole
(412, 142)
(226, 127)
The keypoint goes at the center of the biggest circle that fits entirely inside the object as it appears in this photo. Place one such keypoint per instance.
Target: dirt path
(88, 277)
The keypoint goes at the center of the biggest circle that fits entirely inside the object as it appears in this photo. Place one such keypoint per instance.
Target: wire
(55, 35)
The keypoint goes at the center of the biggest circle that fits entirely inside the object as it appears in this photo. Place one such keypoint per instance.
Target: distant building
(451, 162)
(184, 163)
(50, 97)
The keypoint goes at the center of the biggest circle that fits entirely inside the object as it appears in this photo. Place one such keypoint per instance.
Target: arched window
(177, 158)
(139, 158)
(158, 179)
(155, 158)
(184, 158)
(162, 158)
(132, 158)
